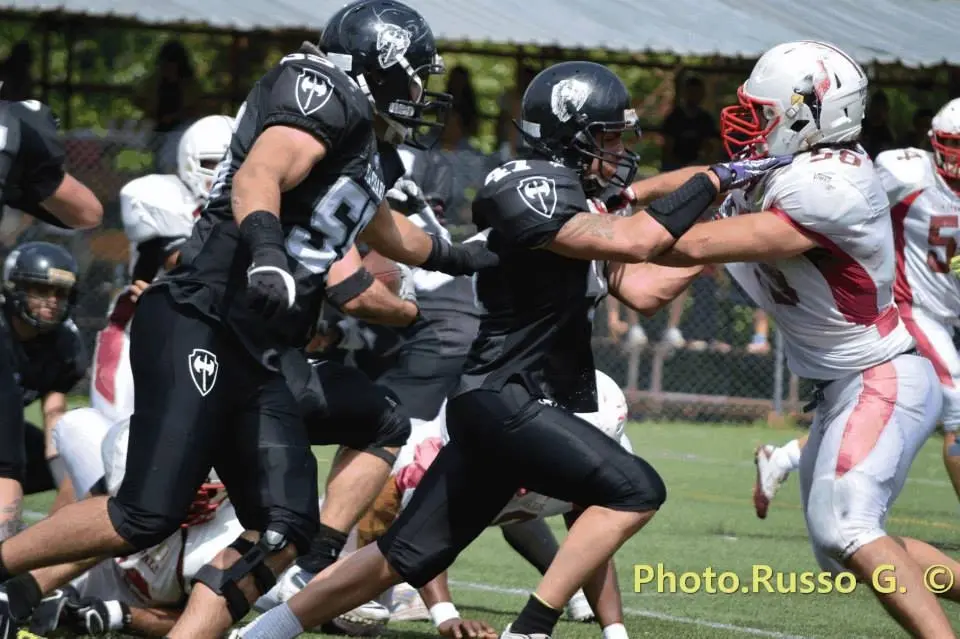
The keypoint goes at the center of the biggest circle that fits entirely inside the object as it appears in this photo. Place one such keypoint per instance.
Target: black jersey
(537, 306)
(321, 216)
(51, 362)
(31, 157)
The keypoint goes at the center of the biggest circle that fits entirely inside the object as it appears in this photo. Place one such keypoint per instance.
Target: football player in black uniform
(531, 366)
(302, 179)
(40, 342)
(32, 178)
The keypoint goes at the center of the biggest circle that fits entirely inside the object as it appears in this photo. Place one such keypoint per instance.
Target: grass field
(708, 521)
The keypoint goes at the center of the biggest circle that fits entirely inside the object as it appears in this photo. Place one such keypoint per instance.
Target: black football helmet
(389, 49)
(563, 110)
(34, 269)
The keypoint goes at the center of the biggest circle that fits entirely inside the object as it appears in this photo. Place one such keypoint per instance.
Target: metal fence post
(778, 366)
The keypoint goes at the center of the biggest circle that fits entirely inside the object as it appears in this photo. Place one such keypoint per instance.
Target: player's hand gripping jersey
(321, 216)
(926, 219)
(835, 302)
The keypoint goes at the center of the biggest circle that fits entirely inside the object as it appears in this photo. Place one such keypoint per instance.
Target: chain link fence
(708, 356)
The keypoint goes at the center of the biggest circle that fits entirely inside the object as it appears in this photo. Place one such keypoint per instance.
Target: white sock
(278, 623)
(787, 457)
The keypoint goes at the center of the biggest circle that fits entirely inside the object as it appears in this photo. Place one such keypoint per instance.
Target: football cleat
(769, 479)
(578, 608)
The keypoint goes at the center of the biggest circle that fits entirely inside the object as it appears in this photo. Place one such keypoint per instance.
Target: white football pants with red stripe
(935, 342)
(866, 432)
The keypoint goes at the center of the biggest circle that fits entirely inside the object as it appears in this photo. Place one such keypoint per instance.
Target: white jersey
(926, 217)
(834, 303)
(157, 206)
(153, 207)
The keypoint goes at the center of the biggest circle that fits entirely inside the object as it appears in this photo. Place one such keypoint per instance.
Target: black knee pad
(297, 529)
(251, 562)
(139, 528)
(642, 488)
(393, 427)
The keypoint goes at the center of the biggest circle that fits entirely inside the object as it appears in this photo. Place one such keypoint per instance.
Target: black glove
(271, 287)
(740, 173)
(92, 616)
(459, 259)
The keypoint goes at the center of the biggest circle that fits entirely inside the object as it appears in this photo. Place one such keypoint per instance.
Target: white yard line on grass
(635, 612)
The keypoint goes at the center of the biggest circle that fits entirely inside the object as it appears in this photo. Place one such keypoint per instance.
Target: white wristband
(615, 631)
(443, 611)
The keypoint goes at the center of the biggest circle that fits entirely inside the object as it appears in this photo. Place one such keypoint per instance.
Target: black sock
(533, 540)
(24, 595)
(324, 550)
(535, 618)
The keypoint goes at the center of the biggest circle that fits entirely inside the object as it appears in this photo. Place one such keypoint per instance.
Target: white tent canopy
(912, 32)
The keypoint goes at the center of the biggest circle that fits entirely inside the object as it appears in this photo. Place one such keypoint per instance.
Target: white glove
(352, 335)
(408, 289)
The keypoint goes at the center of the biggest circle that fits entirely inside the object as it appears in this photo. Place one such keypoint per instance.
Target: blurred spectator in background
(690, 134)
(876, 136)
(619, 327)
(460, 86)
(16, 74)
(169, 98)
(469, 164)
(918, 135)
(507, 135)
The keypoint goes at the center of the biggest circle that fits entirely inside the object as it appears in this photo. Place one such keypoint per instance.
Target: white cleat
(578, 608)
(406, 604)
(366, 620)
(769, 479)
(509, 634)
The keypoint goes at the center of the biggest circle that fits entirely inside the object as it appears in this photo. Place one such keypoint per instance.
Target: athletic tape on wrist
(443, 612)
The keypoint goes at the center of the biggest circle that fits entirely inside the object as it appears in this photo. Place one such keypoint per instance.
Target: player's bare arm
(395, 237)
(632, 239)
(646, 287)
(642, 192)
(280, 159)
(357, 293)
(446, 617)
(74, 204)
(53, 406)
(753, 237)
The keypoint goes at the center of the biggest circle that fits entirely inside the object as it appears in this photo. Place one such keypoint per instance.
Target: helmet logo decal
(60, 277)
(567, 98)
(810, 91)
(539, 194)
(313, 91)
(392, 44)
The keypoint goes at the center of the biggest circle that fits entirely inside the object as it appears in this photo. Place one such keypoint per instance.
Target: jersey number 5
(776, 282)
(936, 238)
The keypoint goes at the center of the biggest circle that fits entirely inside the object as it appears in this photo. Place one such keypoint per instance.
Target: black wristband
(680, 210)
(439, 255)
(261, 229)
(341, 293)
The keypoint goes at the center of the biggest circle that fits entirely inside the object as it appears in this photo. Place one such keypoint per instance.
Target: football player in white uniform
(813, 245)
(923, 189)
(143, 593)
(412, 462)
(158, 215)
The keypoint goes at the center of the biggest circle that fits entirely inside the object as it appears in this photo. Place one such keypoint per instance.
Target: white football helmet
(202, 146)
(611, 416)
(798, 95)
(945, 140)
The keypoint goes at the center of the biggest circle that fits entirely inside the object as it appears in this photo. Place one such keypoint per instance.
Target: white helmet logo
(567, 98)
(392, 44)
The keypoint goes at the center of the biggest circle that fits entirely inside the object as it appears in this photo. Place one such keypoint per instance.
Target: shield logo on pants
(203, 370)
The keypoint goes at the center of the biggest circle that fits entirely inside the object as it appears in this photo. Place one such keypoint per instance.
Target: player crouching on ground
(143, 593)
